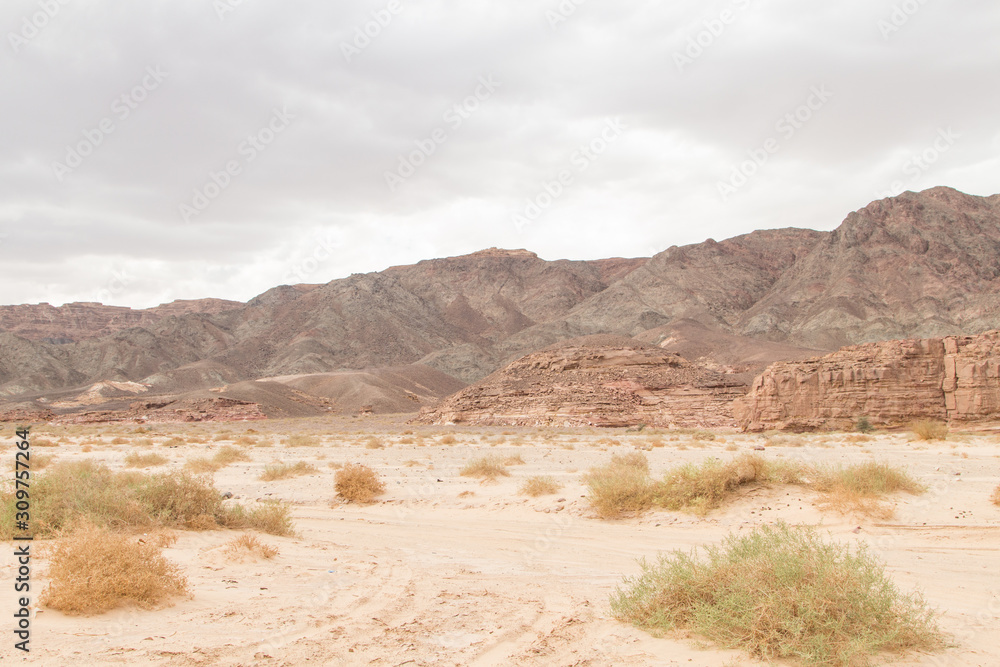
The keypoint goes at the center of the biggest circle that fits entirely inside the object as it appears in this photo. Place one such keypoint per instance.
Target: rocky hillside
(918, 265)
(956, 378)
(595, 381)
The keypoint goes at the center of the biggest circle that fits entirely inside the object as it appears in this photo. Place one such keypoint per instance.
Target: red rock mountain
(918, 265)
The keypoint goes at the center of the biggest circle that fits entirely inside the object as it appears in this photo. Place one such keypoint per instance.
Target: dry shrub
(515, 460)
(274, 471)
(539, 485)
(86, 449)
(486, 468)
(374, 443)
(175, 441)
(731, 447)
(143, 442)
(200, 465)
(703, 436)
(93, 570)
(780, 592)
(700, 488)
(622, 487)
(71, 491)
(119, 441)
(859, 488)
(466, 494)
(136, 460)
(996, 496)
(406, 441)
(42, 442)
(448, 440)
(358, 483)
(246, 441)
(929, 430)
(249, 544)
(229, 454)
(300, 440)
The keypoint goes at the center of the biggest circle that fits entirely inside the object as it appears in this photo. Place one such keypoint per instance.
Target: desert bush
(137, 460)
(249, 544)
(373, 443)
(175, 441)
(514, 460)
(119, 441)
(700, 488)
(274, 471)
(486, 468)
(201, 465)
(635, 460)
(780, 592)
(929, 430)
(448, 440)
(93, 570)
(860, 488)
(703, 436)
(621, 487)
(246, 441)
(863, 425)
(539, 485)
(300, 440)
(271, 517)
(75, 491)
(996, 496)
(358, 483)
(229, 454)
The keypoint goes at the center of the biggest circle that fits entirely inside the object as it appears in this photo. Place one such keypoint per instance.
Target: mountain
(917, 265)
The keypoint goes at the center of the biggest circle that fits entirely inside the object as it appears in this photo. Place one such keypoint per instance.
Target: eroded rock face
(956, 378)
(596, 385)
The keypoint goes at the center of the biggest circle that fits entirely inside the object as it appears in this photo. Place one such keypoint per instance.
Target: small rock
(227, 495)
(560, 500)
(758, 448)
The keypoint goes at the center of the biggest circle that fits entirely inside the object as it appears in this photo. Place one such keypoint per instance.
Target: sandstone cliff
(597, 381)
(955, 378)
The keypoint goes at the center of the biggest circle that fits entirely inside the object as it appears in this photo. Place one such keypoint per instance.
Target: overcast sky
(170, 149)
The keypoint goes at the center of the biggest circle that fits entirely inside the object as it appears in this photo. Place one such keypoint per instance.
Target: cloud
(408, 88)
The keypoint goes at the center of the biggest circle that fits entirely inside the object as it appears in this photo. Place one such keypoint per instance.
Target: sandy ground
(448, 571)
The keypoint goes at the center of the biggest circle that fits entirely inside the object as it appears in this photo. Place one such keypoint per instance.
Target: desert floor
(445, 570)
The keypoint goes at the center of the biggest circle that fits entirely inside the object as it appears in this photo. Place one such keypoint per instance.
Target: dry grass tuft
(700, 488)
(299, 440)
(201, 465)
(780, 593)
(229, 454)
(540, 485)
(137, 460)
(996, 496)
(249, 544)
(358, 483)
(929, 430)
(514, 460)
(859, 488)
(374, 443)
(119, 441)
(621, 487)
(72, 491)
(94, 570)
(274, 471)
(448, 440)
(486, 468)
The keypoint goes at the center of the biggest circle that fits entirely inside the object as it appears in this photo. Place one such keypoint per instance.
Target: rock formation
(955, 378)
(596, 381)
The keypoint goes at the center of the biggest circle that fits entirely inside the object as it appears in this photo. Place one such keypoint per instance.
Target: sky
(179, 149)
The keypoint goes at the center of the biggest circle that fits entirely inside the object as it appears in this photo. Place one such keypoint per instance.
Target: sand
(446, 570)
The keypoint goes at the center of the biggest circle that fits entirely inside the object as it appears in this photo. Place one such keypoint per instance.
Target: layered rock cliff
(955, 378)
(598, 381)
